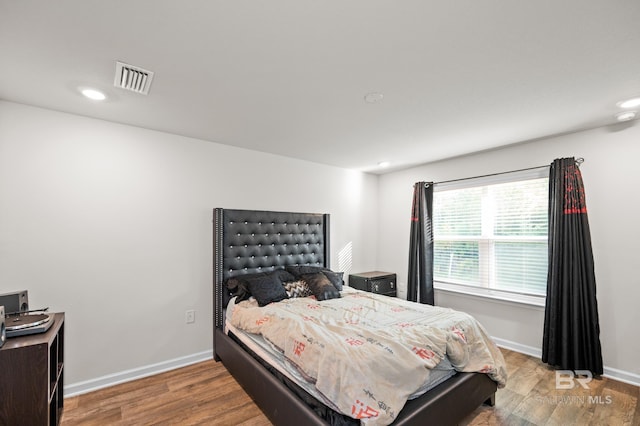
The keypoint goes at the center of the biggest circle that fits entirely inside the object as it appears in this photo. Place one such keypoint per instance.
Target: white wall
(611, 176)
(112, 224)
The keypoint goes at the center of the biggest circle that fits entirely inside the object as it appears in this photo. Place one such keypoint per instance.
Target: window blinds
(493, 236)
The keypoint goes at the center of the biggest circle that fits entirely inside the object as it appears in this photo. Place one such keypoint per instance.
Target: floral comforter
(368, 353)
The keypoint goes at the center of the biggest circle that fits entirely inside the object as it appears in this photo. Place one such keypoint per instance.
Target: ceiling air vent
(132, 78)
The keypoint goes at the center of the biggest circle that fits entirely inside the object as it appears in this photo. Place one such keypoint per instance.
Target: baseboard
(611, 373)
(517, 347)
(622, 376)
(79, 388)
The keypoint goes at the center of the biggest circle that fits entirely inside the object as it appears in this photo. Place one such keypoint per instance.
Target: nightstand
(374, 282)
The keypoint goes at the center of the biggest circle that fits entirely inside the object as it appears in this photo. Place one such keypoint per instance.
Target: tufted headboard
(250, 241)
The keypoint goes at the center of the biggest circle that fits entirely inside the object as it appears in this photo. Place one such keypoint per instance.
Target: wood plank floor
(206, 394)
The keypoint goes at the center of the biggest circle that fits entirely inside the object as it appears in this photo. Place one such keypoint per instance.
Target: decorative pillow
(336, 278)
(299, 270)
(320, 286)
(266, 288)
(238, 288)
(297, 289)
(239, 285)
(283, 275)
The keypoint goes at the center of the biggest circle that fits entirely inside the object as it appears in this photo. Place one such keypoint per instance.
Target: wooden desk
(32, 377)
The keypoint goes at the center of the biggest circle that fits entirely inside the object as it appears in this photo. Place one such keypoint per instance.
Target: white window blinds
(493, 235)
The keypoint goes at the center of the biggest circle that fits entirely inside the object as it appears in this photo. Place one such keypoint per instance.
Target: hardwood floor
(206, 394)
(531, 398)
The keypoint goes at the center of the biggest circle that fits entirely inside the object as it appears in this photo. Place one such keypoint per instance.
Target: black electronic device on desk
(18, 319)
(374, 282)
(18, 301)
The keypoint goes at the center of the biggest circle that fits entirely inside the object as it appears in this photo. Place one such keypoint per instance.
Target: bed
(250, 242)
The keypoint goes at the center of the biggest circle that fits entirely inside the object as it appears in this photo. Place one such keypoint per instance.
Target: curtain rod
(578, 162)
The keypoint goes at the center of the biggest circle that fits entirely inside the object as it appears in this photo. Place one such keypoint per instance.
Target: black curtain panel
(571, 339)
(420, 280)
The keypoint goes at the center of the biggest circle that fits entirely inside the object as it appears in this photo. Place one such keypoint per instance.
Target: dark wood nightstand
(374, 282)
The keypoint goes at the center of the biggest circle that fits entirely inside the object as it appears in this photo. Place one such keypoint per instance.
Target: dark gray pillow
(299, 270)
(238, 288)
(266, 288)
(336, 278)
(320, 286)
(239, 285)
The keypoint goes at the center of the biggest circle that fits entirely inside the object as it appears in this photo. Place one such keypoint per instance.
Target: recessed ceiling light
(372, 98)
(629, 103)
(94, 94)
(384, 164)
(626, 116)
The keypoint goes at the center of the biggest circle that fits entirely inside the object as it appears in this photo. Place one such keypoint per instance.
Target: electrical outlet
(190, 316)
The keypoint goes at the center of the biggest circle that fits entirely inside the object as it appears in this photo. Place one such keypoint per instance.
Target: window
(491, 233)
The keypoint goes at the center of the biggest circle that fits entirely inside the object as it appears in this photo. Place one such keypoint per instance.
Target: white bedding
(411, 343)
(443, 371)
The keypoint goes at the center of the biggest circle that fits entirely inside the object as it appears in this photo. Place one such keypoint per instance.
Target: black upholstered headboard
(250, 241)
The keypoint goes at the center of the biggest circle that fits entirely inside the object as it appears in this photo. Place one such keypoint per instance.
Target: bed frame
(249, 241)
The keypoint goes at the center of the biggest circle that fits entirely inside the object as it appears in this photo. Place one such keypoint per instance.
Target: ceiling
(289, 77)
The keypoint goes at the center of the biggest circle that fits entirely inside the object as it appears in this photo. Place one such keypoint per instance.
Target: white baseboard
(79, 388)
(622, 376)
(612, 373)
(517, 347)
